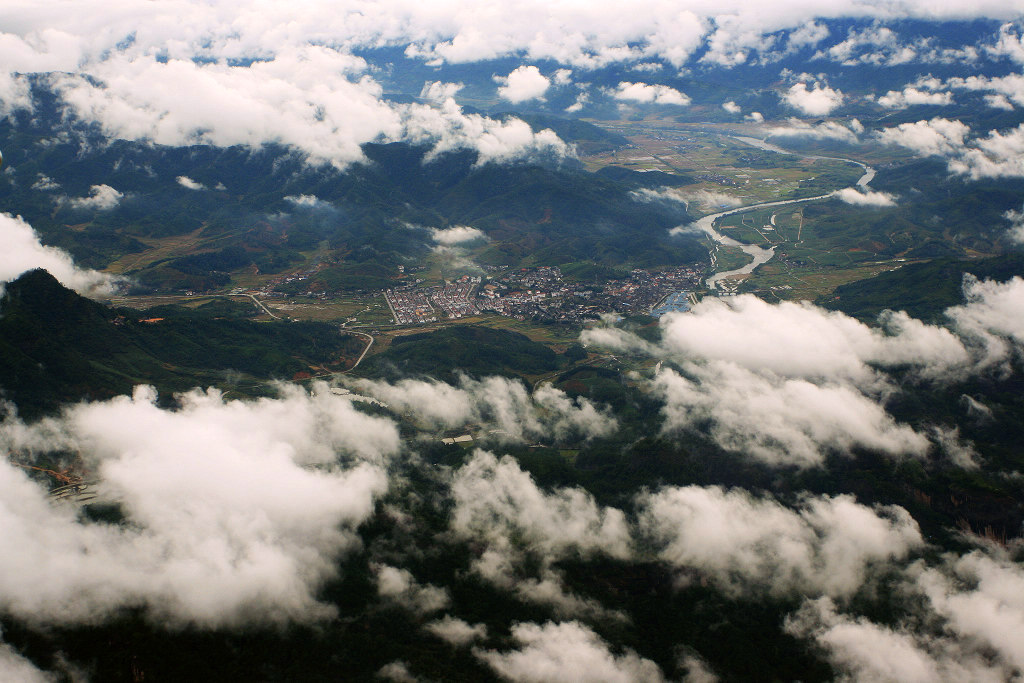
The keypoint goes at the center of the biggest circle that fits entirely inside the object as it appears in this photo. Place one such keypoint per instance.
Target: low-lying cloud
(456, 234)
(189, 184)
(645, 93)
(524, 83)
(313, 99)
(504, 406)
(24, 251)
(744, 543)
(966, 612)
(236, 511)
(498, 505)
(100, 198)
(780, 421)
(851, 195)
(996, 155)
(910, 96)
(567, 651)
(789, 383)
(818, 100)
(826, 130)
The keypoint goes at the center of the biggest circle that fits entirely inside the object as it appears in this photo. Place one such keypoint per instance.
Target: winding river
(760, 254)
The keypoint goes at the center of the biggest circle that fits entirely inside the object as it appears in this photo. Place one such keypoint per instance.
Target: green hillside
(58, 346)
(471, 350)
(923, 290)
(269, 210)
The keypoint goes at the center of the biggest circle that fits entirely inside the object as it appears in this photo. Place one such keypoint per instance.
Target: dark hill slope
(468, 349)
(923, 290)
(58, 346)
(251, 212)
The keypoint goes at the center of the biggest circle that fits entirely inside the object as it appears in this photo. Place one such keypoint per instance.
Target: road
(365, 351)
(260, 304)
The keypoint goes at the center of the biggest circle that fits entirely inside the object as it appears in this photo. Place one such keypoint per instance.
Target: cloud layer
(237, 510)
(789, 383)
(504, 406)
(23, 251)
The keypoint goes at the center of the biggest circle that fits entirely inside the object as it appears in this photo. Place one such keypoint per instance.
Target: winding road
(365, 351)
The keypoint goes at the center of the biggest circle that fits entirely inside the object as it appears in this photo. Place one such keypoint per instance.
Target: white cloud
(992, 318)
(747, 544)
(309, 201)
(295, 99)
(582, 99)
(1005, 91)
(502, 404)
(562, 77)
(998, 102)
(1010, 43)
(498, 505)
(937, 136)
(45, 183)
(438, 92)
(732, 107)
(398, 672)
(399, 586)
(456, 234)
(803, 341)
(1016, 231)
(243, 74)
(101, 198)
(564, 652)
(17, 669)
(966, 613)
(649, 94)
(495, 499)
(910, 96)
(587, 36)
(235, 511)
(852, 195)
(959, 452)
(710, 200)
(15, 93)
(870, 652)
(982, 599)
(881, 46)
(189, 184)
(755, 116)
(706, 198)
(826, 130)
(524, 83)
(456, 631)
(818, 101)
(998, 155)
(448, 128)
(791, 422)
(649, 67)
(23, 251)
(789, 383)
(312, 99)
(807, 35)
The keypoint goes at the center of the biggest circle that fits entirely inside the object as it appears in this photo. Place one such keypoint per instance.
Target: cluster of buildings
(542, 294)
(456, 299)
(410, 306)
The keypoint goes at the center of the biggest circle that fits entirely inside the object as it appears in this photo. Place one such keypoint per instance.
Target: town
(542, 294)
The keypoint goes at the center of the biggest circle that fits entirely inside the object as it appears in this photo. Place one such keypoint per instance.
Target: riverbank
(760, 255)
